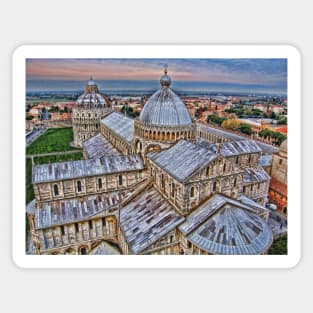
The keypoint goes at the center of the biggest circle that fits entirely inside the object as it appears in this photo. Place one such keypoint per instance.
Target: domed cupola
(163, 120)
(92, 97)
(165, 79)
(90, 107)
(164, 107)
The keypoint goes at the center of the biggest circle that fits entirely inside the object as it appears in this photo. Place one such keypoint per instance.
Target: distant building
(279, 179)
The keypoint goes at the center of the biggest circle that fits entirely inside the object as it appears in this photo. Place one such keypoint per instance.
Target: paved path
(34, 135)
(32, 156)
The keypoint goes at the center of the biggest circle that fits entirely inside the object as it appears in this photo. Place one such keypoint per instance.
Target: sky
(268, 75)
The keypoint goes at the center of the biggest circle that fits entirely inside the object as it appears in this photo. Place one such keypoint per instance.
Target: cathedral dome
(91, 82)
(164, 107)
(92, 97)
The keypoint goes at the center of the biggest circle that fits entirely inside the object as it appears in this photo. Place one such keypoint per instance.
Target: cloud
(271, 72)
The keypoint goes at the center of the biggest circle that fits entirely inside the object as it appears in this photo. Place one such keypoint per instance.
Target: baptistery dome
(92, 97)
(164, 107)
(90, 107)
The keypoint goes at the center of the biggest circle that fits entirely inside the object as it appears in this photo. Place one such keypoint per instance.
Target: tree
(245, 129)
(129, 111)
(215, 119)
(282, 120)
(273, 116)
(277, 137)
(231, 124)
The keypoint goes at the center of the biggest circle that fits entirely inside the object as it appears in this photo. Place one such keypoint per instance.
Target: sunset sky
(268, 74)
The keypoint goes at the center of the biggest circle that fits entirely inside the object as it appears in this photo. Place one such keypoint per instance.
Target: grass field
(52, 100)
(58, 158)
(279, 246)
(53, 140)
(29, 186)
(44, 160)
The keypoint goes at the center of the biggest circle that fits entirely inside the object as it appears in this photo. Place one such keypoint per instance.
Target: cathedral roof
(165, 108)
(83, 168)
(98, 146)
(74, 210)
(252, 175)
(120, 125)
(239, 147)
(226, 226)
(147, 219)
(265, 160)
(184, 159)
(234, 137)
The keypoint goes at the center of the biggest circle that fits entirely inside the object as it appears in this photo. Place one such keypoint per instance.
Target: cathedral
(157, 184)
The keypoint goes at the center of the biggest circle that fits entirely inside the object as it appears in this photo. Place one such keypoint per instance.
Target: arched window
(162, 181)
(90, 224)
(224, 168)
(56, 190)
(79, 186)
(173, 189)
(235, 181)
(249, 158)
(120, 180)
(208, 171)
(192, 192)
(171, 238)
(214, 186)
(100, 183)
(237, 159)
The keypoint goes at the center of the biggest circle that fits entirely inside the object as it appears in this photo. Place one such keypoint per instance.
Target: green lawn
(279, 246)
(53, 140)
(58, 158)
(29, 186)
(44, 160)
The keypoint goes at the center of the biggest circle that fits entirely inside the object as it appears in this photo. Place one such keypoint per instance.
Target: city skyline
(244, 75)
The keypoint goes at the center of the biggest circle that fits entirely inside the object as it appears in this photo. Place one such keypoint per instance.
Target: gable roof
(147, 219)
(184, 159)
(82, 168)
(74, 210)
(121, 125)
(98, 146)
(234, 137)
(239, 147)
(255, 175)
